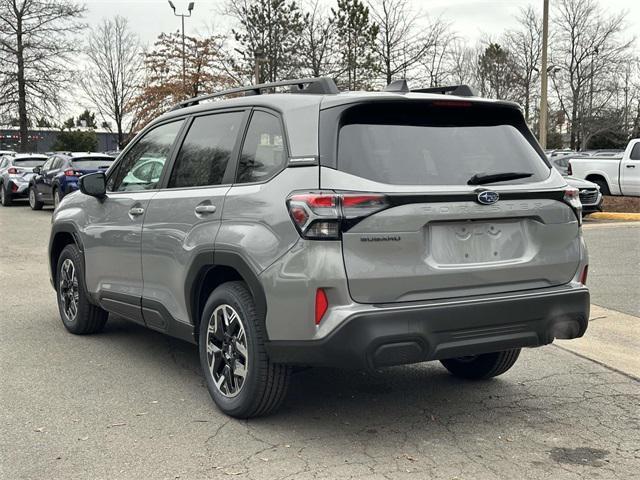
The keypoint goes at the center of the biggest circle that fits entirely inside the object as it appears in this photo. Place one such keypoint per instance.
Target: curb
(629, 217)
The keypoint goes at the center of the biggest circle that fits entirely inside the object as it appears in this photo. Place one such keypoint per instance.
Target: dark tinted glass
(263, 152)
(206, 150)
(91, 163)
(154, 146)
(635, 153)
(431, 145)
(29, 162)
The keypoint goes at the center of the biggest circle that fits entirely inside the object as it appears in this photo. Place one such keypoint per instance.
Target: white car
(614, 175)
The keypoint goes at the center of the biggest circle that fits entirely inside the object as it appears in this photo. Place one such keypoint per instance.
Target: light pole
(258, 55)
(543, 87)
(184, 65)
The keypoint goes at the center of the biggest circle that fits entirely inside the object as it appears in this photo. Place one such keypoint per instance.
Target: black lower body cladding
(388, 335)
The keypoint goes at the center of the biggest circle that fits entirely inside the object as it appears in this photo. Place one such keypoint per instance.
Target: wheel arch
(208, 270)
(62, 234)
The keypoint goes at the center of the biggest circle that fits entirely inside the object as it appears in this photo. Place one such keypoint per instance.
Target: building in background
(43, 139)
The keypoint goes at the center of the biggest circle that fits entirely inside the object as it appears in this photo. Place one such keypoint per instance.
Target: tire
(34, 203)
(483, 366)
(85, 318)
(221, 345)
(56, 197)
(604, 188)
(5, 197)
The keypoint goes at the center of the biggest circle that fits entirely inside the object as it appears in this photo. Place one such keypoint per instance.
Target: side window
(635, 152)
(263, 152)
(48, 163)
(152, 148)
(206, 150)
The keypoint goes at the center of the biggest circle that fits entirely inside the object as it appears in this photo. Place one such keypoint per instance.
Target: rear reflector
(583, 275)
(321, 305)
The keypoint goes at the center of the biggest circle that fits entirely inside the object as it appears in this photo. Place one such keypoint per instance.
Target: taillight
(323, 215)
(572, 198)
(583, 275)
(72, 173)
(12, 171)
(321, 304)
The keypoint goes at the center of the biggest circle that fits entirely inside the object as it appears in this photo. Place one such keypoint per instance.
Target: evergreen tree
(270, 32)
(86, 119)
(356, 34)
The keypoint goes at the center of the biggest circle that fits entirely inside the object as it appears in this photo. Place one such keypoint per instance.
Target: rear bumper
(18, 188)
(388, 335)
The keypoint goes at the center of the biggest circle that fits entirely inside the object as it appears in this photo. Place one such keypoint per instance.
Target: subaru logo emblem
(487, 197)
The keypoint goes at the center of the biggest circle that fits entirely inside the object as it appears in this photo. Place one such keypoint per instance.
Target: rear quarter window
(426, 144)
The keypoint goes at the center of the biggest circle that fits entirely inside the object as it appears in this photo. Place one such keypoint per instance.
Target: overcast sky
(470, 18)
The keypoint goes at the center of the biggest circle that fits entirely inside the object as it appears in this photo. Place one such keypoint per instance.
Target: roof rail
(316, 85)
(460, 90)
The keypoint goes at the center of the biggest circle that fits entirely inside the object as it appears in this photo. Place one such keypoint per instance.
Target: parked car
(589, 193)
(358, 230)
(560, 153)
(561, 163)
(15, 172)
(7, 152)
(590, 196)
(59, 176)
(614, 176)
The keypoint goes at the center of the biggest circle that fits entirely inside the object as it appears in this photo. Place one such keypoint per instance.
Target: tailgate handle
(204, 209)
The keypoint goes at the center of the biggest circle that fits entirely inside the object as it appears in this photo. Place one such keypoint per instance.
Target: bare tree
(462, 63)
(318, 50)
(436, 60)
(36, 43)
(114, 72)
(400, 42)
(525, 47)
(588, 51)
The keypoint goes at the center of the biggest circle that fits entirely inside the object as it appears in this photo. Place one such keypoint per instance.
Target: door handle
(135, 211)
(631, 166)
(204, 209)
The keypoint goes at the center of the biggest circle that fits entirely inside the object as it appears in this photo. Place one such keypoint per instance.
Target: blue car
(59, 176)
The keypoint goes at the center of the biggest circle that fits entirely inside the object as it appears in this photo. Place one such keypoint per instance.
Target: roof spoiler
(401, 86)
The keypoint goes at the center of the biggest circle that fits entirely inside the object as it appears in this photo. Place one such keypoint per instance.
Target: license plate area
(451, 244)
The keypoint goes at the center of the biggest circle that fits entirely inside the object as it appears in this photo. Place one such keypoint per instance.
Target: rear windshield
(428, 144)
(29, 162)
(92, 163)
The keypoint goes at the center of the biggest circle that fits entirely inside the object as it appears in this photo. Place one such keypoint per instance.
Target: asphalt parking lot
(130, 403)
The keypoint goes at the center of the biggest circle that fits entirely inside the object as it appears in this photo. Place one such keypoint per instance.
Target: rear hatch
(433, 237)
(24, 166)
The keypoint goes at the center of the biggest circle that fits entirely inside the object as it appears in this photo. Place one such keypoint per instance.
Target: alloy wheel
(69, 291)
(56, 199)
(227, 352)
(32, 198)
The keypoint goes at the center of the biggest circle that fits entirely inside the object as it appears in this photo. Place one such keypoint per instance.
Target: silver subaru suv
(290, 224)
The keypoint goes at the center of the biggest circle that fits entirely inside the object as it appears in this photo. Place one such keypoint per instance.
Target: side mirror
(37, 170)
(94, 184)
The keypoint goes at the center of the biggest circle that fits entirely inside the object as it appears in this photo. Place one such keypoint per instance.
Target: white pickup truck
(614, 176)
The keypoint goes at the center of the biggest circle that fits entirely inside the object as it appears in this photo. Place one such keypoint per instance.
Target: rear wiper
(481, 178)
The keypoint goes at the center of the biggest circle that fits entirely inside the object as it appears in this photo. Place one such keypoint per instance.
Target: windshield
(92, 163)
(29, 162)
(436, 146)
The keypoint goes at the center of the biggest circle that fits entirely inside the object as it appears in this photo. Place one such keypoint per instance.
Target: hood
(580, 183)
